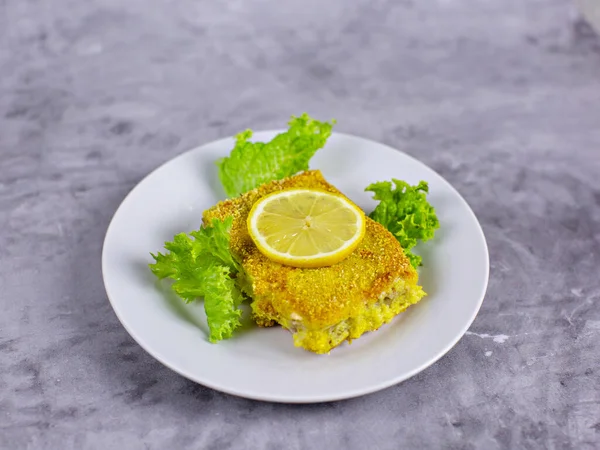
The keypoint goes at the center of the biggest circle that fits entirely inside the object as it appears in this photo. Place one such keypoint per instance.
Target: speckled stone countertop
(502, 97)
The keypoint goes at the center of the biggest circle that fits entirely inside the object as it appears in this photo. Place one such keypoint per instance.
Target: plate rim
(304, 399)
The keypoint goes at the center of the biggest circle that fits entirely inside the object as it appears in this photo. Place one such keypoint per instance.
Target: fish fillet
(326, 306)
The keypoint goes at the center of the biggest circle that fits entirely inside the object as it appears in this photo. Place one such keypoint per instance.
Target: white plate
(263, 363)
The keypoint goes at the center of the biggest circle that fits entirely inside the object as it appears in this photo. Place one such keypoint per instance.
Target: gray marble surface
(502, 97)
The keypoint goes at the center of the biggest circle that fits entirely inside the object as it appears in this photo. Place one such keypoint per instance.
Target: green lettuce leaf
(406, 213)
(203, 267)
(251, 164)
(215, 241)
(221, 299)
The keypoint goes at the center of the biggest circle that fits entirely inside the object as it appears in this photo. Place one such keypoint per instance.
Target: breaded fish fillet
(322, 307)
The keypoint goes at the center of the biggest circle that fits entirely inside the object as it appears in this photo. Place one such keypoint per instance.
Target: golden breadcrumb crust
(315, 298)
(373, 316)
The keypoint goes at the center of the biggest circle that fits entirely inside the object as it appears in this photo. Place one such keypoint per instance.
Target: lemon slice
(306, 227)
